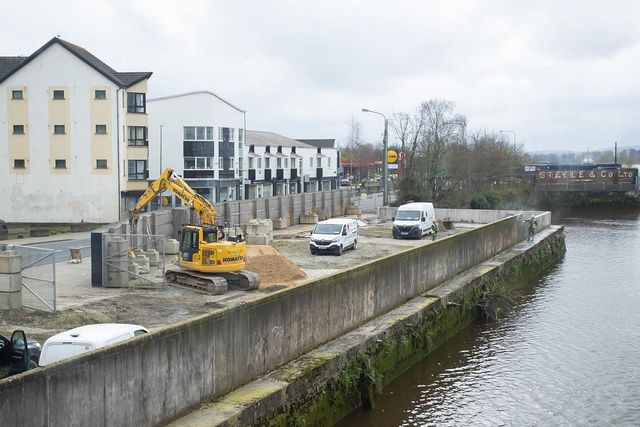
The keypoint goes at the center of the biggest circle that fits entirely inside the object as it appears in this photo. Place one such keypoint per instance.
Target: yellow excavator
(208, 261)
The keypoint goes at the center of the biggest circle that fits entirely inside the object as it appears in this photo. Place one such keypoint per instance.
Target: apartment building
(201, 137)
(279, 165)
(73, 136)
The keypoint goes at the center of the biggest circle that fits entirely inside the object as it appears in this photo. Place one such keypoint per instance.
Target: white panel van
(86, 338)
(334, 236)
(414, 220)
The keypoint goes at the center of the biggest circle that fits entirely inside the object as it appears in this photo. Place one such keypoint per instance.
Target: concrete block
(353, 210)
(154, 257)
(309, 218)
(10, 262)
(261, 239)
(171, 247)
(281, 223)
(133, 270)
(143, 262)
(11, 282)
(10, 300)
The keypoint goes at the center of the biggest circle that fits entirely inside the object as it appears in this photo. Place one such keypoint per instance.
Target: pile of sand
(272, 266)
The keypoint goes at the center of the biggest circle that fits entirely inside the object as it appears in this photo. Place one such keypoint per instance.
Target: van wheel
(339, 250)
(313, 252)
(355, 245)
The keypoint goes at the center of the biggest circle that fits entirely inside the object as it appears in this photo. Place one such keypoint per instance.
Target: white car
(86, 338)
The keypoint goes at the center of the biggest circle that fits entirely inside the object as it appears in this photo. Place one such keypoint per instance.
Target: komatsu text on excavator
(208, 261)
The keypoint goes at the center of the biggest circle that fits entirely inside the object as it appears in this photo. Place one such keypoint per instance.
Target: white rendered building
(201, 137)
(73, 137)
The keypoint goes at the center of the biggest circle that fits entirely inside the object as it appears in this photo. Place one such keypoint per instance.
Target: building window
(58, 94)
(252, 163)
(137, 135)
(259, 163)
(58, 129)
(310, 162)
(101, 164)
(18, 129)
(293, 163)
(18, 163)
(136, 102)
(61, 164)
(101, 94)
(101, 129)
(267, 162)
(225, 134)
(286, 162)
(137, 170)
(279, 163)
(328, 162)
(198, 133)
(16, 94)
(199, 163)
(241, 135)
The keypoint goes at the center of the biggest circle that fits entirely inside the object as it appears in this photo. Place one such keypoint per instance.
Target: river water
(567, 354)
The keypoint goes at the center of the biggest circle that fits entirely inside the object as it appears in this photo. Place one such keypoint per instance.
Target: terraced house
(73, 136)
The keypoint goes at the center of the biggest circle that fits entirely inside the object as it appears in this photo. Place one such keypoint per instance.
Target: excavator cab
(189, 243)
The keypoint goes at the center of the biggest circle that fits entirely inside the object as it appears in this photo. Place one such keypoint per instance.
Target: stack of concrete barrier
(118, 252)
(10, 280)
(258, 232)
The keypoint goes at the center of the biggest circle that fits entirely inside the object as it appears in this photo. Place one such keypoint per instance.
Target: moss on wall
(403, 345)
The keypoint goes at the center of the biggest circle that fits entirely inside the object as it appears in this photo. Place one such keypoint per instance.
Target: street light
(385, 193)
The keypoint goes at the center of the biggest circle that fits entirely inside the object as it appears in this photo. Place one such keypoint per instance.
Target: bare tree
(354, 141)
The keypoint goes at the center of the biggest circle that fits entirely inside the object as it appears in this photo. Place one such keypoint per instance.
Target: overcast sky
(560, 74)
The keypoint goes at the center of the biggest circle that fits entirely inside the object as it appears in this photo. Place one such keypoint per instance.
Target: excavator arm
(169, 181)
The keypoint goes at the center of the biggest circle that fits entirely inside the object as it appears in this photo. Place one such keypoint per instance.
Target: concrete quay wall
(325, 384)
(154, 379)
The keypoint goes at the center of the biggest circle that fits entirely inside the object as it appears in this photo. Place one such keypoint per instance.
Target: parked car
(86, 338)
(334, 236)
(345, 183)
(18, 354)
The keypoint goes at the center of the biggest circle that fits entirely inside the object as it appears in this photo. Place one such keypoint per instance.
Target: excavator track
(213, 283)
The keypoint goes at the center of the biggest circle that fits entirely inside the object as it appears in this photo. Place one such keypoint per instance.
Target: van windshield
(328, 229)
(408, 216)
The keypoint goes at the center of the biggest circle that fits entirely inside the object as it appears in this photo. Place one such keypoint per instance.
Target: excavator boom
(207, 262)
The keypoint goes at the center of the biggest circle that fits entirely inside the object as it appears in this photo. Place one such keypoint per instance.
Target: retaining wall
(155, 378)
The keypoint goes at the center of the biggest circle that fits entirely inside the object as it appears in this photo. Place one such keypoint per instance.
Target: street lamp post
(385, 192)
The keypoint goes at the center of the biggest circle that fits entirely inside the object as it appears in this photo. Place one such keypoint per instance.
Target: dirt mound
(272, 266)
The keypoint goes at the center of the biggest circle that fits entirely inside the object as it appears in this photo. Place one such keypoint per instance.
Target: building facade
(66, 124)
(201, 137)
(279, 165)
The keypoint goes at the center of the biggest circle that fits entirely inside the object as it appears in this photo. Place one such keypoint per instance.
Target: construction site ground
(286, 262)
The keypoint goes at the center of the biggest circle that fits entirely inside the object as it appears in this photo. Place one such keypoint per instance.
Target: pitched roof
(197, 92)
(123, 80)
(262, 139)
(8, 63)
(319, 143)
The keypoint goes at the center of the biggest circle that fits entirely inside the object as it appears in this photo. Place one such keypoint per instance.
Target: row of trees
(443, 160)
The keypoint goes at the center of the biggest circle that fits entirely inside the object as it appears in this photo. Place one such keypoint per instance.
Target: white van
(86, 338)
(414, 220)
(334, 236)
